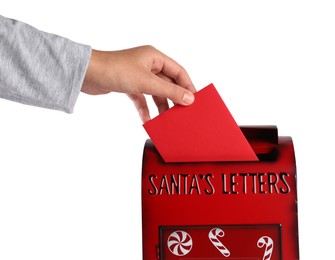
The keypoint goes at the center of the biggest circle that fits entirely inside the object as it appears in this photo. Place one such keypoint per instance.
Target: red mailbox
(223, 209)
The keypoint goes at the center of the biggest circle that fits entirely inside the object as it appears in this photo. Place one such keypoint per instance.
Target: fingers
(141, 106)
(173, 70)
(161, 104)
(156, 86)
(145, 70)
(161, 88)
(174, 82)
(179, 75)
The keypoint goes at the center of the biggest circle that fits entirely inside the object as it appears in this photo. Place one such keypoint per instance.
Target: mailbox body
(243, 202)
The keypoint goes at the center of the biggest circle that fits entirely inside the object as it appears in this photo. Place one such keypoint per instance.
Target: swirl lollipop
(180, 243)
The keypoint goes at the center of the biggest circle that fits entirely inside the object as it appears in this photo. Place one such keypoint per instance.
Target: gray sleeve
(39, 68)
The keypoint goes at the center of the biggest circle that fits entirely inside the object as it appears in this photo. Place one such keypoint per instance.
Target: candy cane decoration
(213, 237)
(268, 243)
(180, 243)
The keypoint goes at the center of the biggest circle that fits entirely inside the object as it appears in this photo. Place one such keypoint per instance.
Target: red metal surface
(222, 194)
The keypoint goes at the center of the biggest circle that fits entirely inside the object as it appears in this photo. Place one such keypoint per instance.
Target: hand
(139, 71)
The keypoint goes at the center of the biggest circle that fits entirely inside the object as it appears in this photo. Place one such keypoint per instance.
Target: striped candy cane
(268, 243)
(213, 237)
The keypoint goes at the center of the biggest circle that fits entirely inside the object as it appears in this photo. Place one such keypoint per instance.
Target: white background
(70, 184)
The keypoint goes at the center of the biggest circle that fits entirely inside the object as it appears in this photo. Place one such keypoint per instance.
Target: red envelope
(202, 132)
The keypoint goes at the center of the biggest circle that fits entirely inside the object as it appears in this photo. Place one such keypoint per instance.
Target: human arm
(46, 70)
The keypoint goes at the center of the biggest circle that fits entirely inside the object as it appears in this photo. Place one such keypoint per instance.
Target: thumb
(187, 99)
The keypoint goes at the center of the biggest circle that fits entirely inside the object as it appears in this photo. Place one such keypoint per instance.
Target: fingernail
(188, 98)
